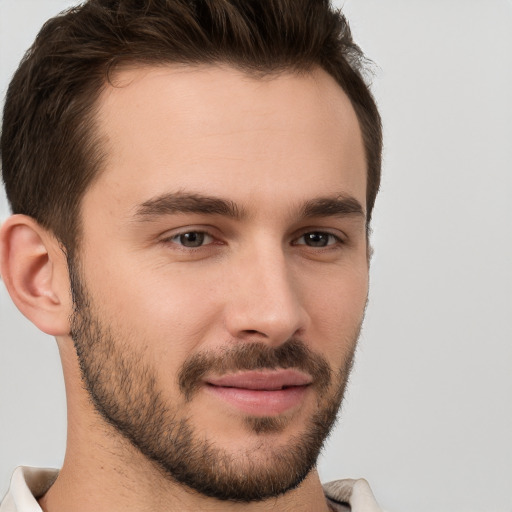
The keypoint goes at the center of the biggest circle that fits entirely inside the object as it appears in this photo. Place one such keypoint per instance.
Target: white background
(428, 416)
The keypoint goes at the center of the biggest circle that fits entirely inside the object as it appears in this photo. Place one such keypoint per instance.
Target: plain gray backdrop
(428, 415)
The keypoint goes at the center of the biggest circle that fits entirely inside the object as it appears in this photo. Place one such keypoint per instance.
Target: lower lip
(260, 402)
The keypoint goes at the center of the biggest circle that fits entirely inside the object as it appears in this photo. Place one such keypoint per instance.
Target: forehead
(217, 130)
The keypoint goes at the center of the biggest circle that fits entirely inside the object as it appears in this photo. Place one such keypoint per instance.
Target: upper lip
(262, 380)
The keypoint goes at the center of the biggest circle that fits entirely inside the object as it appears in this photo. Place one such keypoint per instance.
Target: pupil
(192, 239)
(316, 239)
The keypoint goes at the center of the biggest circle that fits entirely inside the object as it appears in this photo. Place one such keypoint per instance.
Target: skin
(266, 145)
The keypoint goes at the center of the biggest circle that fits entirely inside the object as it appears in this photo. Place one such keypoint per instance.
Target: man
(192, 185)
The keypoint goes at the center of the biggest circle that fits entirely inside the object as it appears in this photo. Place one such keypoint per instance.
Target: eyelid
(169, 236)
(207, 239)
(339, 237)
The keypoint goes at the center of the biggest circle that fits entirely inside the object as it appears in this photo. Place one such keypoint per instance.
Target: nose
(265, 301)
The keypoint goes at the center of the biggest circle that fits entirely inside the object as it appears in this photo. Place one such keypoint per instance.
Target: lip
(261, 393)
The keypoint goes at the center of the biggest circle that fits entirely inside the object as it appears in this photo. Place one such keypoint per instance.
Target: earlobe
(34, 270)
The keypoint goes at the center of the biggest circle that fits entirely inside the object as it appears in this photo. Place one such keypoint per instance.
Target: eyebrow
(338, 206)
(183, 202)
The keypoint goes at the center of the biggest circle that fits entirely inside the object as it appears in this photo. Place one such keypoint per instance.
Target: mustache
(255, 356)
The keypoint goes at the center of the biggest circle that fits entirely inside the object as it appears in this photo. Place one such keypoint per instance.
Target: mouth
(261, 393)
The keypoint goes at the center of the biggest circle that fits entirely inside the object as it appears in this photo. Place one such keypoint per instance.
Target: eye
(192, 239)
(317, 239)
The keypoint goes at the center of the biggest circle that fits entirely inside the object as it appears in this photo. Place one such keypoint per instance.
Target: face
(222, 275)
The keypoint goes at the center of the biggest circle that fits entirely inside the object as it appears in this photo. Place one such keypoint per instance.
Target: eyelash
(332, 240)
(202, 236)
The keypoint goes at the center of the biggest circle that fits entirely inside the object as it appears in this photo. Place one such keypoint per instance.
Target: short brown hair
(49, 148)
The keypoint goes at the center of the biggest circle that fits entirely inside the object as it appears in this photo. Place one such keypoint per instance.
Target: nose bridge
(266, 301)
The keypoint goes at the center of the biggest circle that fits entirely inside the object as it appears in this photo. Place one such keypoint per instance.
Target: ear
(34, 269)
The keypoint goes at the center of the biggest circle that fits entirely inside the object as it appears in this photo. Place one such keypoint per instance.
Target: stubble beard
(124, 390)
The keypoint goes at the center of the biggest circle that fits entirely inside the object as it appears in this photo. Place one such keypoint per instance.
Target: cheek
(166, 314)
(336, 308)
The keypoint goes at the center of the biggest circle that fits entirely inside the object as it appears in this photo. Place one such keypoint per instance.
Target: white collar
(29, 483)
